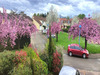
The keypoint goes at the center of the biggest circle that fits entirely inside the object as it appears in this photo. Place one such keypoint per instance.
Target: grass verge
(64, 41)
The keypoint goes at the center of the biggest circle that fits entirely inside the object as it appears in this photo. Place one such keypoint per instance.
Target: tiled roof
(64, 19)
(38, 19)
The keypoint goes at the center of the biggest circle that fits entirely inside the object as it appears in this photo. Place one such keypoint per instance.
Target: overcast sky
(64, 7)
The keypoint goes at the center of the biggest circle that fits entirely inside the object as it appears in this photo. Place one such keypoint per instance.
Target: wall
(37, 24)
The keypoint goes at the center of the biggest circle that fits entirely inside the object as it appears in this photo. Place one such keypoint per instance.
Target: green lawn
(64, 41)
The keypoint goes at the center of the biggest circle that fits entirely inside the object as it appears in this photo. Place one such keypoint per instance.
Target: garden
(17, 57)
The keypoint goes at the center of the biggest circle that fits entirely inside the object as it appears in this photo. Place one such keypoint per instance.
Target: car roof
(74, 45)
(67, 70)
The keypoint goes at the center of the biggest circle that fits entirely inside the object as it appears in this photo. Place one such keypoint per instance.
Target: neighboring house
(65, 22)
(40, 22)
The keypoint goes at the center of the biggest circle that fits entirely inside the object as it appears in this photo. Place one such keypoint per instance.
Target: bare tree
(52, 16)
(75, 20)
(96, 16)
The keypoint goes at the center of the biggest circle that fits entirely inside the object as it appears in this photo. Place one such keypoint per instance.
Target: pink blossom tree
(55, 29)
(90, 30)
(14, 27)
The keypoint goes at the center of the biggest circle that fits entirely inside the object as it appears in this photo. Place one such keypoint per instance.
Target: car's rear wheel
(70, 54)
(84, 56)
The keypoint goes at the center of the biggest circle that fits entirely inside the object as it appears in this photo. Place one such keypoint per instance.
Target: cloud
(88, 5)
(7, 10)
(65, 10)
(18, 1)
(64, 7)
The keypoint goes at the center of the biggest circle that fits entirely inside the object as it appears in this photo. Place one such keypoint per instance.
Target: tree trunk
(57, 37)
(85, 43)
(18, 42)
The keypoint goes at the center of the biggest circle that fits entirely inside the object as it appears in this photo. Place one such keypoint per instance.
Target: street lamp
(79, 33)
(47, 26)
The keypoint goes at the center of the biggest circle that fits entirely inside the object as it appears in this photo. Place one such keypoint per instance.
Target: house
(40, 22)
(65, 22)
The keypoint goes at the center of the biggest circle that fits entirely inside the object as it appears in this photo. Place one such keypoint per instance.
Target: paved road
(84, 65)
(38, 41)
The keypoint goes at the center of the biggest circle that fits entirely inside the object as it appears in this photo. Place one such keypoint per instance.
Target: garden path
(38, 41)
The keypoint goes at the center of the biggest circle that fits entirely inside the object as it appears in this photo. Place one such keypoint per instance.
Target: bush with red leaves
(56, 62)
(35, 50)
(30, 45)
(20, 56)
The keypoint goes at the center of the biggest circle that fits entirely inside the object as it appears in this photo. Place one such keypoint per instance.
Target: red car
(75, 49)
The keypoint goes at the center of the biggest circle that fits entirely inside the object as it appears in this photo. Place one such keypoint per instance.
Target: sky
(64, 7)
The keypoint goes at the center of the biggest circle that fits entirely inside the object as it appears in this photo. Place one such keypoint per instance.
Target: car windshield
(81, 48)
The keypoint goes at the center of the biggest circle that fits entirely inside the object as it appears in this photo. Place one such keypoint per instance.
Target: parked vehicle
(75, 49)
(44, 31)
(53, 36)
(67, 70)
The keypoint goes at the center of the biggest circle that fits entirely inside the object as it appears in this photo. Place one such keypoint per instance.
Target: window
(72, 47)
(78, 48)
(62, 21)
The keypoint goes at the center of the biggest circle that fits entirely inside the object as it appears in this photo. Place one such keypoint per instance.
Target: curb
(94, 56)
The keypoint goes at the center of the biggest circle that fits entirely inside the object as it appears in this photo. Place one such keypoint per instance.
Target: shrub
(21, 70)
(40, 67)
(56, 63)
(44, 56)
(30, 52)
(6, 62)
(1, 48)
(36, 52)
(30, 45)
(20, 57)
(68, 27)
(65, 30)
(31, 64)
(28, 63)
(23, 41)
(51, 50)
(60, 51)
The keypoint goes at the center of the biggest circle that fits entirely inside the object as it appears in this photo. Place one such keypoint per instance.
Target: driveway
(38, 40)
(88, 66)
